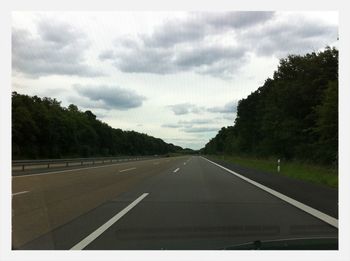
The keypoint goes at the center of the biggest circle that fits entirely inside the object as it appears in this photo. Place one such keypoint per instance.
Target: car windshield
(174, 131)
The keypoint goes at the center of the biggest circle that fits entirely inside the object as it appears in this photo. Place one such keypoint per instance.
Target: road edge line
(87, 240)
(314, 212)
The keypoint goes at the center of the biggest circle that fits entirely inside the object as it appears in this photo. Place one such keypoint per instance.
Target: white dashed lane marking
(19, 193)
(86, 241)
(126, 169)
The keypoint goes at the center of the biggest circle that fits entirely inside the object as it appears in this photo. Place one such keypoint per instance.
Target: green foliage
(294, 115)
(308, 172)
(42, 128)
(327, 124)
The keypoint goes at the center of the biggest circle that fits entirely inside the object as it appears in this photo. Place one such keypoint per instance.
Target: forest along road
(183, 202)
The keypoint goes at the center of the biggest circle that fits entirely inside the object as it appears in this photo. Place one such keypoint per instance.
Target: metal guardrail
(47, 163)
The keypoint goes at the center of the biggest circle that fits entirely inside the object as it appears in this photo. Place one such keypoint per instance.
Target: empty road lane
(172, 203)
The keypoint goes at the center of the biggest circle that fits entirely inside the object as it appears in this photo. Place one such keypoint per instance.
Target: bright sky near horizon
(173, 75)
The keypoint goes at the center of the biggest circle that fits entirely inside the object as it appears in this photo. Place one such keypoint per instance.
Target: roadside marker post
(278, 165)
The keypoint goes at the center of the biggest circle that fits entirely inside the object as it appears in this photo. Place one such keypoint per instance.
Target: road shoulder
(317, 196)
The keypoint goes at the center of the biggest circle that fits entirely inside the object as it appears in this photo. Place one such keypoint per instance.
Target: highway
(170, 203)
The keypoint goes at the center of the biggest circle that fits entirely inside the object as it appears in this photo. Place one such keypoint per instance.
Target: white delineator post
(278, 165)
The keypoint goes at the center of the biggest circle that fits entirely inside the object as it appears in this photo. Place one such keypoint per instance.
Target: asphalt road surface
(170, 203)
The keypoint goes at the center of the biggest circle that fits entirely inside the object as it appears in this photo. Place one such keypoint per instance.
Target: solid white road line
(19, 193)
(86, 241)
(314, 212)
(126, 169)
(176, 170)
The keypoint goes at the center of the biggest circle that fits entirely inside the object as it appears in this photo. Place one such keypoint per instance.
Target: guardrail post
(67, 164)
(23, 167)
(81, 163)
(48, 165)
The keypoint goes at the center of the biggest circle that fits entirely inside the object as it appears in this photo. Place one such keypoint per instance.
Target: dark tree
(42, 128)
(294, 115)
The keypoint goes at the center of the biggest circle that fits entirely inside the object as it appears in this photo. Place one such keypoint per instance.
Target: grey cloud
(57, 50)
(174, 32)
(175, 140)
(200, 24)
(86, 103)
(59, 33)
(190, 44)
(208, 55)
(155, 53)
(218, 61)
(239, 19)
(156, 61)
(170, 125)
(196, 121)
(200, 129)
(50, 92)
(187, 124)
(185, 108)
(100, 115)
(128, 41)
(180, 109)
(225, 68)
(230, 117)
(111, 97)
(297, 35)
(106, 55)
(230, 107)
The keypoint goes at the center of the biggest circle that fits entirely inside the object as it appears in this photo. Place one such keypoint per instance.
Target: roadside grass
(308, 172)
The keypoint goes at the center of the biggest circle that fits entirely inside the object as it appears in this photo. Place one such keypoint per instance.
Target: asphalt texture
(191, 205)
(320, 197)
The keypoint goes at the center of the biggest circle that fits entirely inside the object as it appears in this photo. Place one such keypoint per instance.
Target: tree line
(294, 115)
(42, 128)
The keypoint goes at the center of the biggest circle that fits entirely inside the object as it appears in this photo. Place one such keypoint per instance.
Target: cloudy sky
(173, 75)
